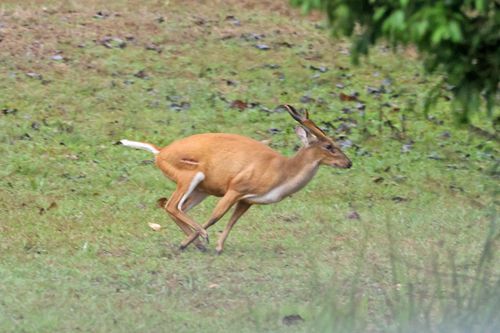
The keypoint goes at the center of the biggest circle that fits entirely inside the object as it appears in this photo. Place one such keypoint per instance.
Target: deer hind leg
(176, 202)
(192, 201)
(224, 204)
(162, 202)
(241, 208)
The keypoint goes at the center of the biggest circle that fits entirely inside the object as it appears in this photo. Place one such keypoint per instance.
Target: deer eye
(329, 147)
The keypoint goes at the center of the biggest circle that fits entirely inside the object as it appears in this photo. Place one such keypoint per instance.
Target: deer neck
(300, 169)
(297, 171)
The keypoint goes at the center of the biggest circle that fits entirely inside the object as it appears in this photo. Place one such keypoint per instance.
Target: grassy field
(405, 241)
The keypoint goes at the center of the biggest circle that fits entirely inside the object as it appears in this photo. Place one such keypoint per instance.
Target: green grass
(76, 253)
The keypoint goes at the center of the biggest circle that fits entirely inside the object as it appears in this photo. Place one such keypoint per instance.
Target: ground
(404, 241)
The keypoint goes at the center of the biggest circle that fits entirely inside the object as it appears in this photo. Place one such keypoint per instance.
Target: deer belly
(276, 194)
(268, 198)
(283, 190)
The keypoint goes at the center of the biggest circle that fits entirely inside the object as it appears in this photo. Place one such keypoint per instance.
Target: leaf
(239, 104)
(8, 111)
(34, 75)
(481, 5)
(284, 44)
(52, 205)
(386, 82)
(379, 13)
(360, 106)
(406, 148)
(346, 110)
(274, 130)
(395, 22)
(267, 142)
(399, 199)
(292, 319)
(373, 90)
(347, 98)
(233, 20)
(438, 35)
(398, 18)
(345, 144)
(263, 47)
(231, 83)
(113, 42)
(252, 36)
(353, 215)
(321, 69)
(199, 21)
(271, 66)
(35, 125)
(455, 32)
(154, 226)
(421, 28)
(307, 99)
(434, 156)
(182, 106)
(445, 135)
(26, 137)
(141, 74)
(101, 15)
(154, 47)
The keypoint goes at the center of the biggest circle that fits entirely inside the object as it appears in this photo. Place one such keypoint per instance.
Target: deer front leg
(224, 204)
(241, 208)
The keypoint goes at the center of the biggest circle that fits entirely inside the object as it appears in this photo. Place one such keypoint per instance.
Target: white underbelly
(283, 190)
(275, 195)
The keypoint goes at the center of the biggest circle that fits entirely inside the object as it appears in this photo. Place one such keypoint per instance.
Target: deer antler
(305, 121)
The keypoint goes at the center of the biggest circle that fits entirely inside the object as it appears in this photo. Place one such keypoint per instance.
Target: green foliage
(459, 38)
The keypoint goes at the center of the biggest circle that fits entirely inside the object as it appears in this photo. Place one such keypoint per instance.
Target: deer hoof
(201, 247)
(203, 233)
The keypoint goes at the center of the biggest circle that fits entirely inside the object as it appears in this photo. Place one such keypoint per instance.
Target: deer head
(312, 137)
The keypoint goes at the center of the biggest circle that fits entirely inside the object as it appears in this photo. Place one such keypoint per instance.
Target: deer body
(241, 170)
(249, 166)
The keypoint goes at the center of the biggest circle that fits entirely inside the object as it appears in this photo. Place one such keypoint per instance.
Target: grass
(420, 254)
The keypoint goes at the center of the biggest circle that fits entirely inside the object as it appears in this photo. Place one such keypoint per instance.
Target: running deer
(241, 170)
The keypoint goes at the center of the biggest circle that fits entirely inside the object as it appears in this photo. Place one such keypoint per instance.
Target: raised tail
(141, 145)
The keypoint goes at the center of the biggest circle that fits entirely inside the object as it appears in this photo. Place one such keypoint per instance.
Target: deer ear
(304, 136)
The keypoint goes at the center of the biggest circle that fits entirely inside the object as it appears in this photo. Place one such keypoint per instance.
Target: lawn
(405, 241)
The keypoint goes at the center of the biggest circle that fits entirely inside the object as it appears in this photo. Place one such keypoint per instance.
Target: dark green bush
(459, 38)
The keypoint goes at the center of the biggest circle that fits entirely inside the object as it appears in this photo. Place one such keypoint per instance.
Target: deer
(240, 170)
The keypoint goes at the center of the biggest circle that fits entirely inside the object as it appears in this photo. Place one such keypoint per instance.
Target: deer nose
(348, 165)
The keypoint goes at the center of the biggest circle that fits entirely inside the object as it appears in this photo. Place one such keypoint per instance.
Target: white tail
(141, 145)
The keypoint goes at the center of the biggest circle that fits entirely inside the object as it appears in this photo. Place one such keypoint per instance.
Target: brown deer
(241, 170)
